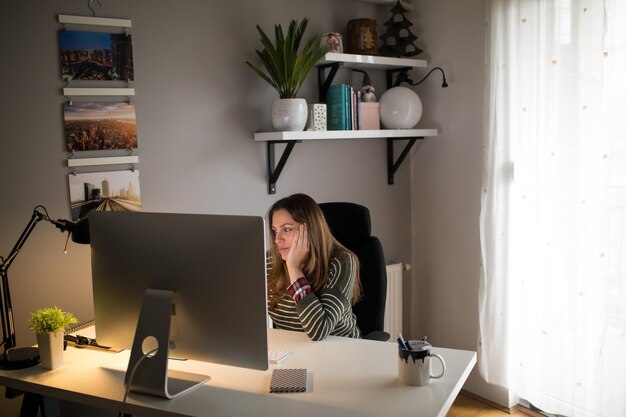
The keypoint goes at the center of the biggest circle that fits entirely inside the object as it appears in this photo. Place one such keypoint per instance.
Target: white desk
(350, 377)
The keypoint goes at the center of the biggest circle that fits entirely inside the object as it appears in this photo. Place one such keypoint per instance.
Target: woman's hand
(297, 253)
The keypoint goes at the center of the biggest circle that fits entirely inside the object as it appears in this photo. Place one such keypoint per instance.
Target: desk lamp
(24, 357)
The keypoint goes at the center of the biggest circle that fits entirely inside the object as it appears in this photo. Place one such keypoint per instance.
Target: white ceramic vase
(289, 114)
(50, 349)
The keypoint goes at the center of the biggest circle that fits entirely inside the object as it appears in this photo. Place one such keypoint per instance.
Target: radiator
(393, 302)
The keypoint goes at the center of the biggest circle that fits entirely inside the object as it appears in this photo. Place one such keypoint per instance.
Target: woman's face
(284, 227)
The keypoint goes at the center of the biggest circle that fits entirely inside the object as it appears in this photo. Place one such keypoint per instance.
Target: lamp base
(20, 358)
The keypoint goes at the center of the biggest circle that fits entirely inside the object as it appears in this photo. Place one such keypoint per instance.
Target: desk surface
(348, 377)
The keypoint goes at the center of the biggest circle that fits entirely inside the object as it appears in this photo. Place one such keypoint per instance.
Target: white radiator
(393, 302)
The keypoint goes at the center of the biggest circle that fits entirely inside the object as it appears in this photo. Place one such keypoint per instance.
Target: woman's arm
(331, 311)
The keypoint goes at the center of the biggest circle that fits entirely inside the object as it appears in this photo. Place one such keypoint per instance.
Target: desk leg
(32, 403)
(51, 407)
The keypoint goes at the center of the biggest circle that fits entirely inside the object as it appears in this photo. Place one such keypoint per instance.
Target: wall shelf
(291, 138)
(332, 61)
(371, 61)
(405, 3)
(342, 134)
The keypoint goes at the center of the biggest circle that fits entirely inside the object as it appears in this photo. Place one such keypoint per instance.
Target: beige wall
(197, 108)
(446, 179)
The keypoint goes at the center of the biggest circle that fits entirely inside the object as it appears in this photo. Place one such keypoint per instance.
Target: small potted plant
(49, 324)
(286, 68)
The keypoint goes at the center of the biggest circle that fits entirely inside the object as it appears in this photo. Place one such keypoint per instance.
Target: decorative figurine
(333, 41)
(394, 44)
(367, 89)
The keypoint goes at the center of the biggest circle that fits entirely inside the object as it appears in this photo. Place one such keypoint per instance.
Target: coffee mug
(414, 367)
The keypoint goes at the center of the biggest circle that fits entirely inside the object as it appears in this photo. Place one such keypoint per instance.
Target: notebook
(288, 380)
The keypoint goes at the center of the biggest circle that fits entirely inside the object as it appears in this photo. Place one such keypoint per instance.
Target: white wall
(198, 106)
(446, 179)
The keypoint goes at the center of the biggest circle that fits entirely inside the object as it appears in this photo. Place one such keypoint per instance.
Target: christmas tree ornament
(398, 40)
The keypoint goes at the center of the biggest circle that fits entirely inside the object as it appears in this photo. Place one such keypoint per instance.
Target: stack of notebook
(288, 380)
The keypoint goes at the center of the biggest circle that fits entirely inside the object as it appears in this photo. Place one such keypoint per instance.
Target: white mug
(414, 367)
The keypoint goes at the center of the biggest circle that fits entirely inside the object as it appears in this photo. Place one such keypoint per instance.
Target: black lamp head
(80, 231)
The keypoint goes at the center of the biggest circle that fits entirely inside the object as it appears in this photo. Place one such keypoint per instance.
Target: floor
(465, 406)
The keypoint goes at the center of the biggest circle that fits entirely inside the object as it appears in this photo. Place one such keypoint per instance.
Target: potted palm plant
(49, 324)
(286, 68)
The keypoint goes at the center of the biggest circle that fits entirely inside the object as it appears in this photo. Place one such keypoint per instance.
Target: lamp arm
(444, 84)
(6, 308)
(405, 78)
(35, 218)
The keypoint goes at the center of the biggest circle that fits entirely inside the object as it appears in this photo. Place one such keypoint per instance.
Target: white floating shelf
(98, 91)
(372, 61)
(82, 162)
(344, 134)
(405, 3)
(94, 21)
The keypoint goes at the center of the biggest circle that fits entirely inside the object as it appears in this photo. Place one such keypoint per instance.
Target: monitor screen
(213, 264)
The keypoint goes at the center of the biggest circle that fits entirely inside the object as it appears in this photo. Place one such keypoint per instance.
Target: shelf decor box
(370, 116)
(317, 117)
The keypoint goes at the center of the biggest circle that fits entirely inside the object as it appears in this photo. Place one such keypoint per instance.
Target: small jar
(362, 37)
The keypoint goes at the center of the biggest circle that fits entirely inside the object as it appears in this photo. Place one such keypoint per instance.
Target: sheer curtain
(553, 218)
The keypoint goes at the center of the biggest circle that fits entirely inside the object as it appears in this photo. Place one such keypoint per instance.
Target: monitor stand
(147, 373)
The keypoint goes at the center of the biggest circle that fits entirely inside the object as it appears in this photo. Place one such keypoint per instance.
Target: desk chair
(351, 225)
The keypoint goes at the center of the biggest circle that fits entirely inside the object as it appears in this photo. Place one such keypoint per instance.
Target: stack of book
(344, 107)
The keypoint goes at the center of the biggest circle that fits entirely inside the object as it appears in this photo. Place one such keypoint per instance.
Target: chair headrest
(348, 222)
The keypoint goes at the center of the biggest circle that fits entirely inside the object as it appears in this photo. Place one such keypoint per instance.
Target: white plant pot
(289, 114)
(50, 349)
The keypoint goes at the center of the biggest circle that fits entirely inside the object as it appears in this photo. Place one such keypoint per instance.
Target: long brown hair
(323, 246)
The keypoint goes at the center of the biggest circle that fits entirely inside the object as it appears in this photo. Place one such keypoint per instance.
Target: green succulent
(287, 67)
(50, 320)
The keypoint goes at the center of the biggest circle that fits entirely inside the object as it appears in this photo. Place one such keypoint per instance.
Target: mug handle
(443, 363)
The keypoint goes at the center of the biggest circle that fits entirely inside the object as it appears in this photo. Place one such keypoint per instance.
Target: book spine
(347, 104)
(336, 107)
(358, 110)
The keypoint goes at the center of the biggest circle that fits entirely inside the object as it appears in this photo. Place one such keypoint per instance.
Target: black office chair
(351, 225)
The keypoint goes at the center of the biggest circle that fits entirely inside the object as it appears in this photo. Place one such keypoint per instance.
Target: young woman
(313, 280)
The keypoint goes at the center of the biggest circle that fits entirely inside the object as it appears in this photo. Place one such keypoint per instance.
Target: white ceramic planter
(289, 114)
(50, 349)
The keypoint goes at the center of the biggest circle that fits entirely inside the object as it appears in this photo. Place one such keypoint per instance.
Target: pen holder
(414, 367)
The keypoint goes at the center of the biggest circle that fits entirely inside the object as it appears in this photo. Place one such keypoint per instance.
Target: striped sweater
(330, 311)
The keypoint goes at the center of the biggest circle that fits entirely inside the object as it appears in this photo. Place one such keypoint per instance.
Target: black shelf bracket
(392, 166)
(324, 81)
(273, 170)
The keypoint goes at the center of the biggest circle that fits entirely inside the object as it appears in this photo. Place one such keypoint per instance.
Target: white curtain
(553, 219)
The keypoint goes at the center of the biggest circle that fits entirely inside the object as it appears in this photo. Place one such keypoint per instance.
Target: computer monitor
(208, 271)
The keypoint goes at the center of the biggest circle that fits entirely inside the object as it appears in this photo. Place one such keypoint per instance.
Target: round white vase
(400, 108)
(50, 349)
(289, 114)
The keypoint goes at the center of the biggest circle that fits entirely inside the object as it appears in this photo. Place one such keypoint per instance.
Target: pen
(402, 343)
